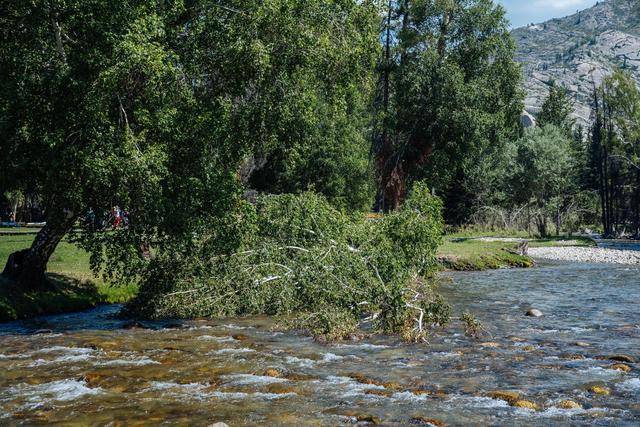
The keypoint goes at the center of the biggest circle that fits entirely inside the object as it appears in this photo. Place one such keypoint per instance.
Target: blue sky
(523, 12)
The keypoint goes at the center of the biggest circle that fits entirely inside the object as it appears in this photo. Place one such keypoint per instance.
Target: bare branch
(58, 34)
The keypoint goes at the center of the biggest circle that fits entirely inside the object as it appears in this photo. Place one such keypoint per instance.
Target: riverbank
(469, 252)
(76, 288)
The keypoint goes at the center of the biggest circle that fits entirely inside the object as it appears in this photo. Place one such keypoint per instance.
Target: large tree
(544, 171)
(155, 106)
(614, 154)
(449, 91)
(556, 109)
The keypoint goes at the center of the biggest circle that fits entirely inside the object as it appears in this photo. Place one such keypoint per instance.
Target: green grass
(463, 252)
(18, 230)
(474, 255)
(68, 270)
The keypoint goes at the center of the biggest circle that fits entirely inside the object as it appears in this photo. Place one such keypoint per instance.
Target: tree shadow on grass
(68, 294)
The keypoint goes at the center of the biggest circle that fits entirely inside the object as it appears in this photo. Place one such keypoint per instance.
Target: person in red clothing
(117, 216)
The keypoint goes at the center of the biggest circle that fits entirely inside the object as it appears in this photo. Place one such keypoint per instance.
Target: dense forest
(244, 142)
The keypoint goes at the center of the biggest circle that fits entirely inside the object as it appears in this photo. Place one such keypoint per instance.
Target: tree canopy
(154, 107)
(449, 91)
(556, 109)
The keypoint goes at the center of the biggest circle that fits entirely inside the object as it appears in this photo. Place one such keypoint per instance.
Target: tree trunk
(384, 149)
(542, 225)
(27, 267)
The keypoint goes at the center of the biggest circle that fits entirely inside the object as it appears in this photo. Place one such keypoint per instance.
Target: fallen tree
(322, 270)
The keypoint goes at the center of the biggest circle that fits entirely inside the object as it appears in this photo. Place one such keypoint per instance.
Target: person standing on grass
(117, 217)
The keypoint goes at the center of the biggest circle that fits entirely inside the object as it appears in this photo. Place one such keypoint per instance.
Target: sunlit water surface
(89, 370)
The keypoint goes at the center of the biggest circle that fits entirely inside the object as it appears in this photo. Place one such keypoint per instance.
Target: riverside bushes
(321, 269)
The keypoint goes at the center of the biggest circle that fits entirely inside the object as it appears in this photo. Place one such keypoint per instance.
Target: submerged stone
(369, 419)
(508, 396)
(134, 325)
(175, 326)
(272, 373)
(600, 390)
(427, 421)
(440, 394)
(279, 388)
(362, 379)
(526, 404)
(383, 393)
(299, 377)
(574, 356)
(392, 386)
(622, 358)
(490, 344)
(569, 404)
(620, 367)
(93, 379)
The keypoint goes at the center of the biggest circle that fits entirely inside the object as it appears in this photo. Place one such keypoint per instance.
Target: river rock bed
(588, 255)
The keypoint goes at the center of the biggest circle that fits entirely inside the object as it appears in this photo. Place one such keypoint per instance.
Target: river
(85, 368)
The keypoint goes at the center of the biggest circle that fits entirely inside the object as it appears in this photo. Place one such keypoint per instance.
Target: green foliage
(556, 110)
(301, 257)
(454, 99)
(472, 326)
(613, 158)
(154, 108)
(544, 165)
(322, 143)
(331, 324)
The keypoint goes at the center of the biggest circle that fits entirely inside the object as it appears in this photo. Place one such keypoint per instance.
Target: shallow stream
(85, 368)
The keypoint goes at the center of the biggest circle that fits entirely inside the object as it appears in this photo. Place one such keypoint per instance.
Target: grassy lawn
(18, 230)
(465, 252)
(76, 286)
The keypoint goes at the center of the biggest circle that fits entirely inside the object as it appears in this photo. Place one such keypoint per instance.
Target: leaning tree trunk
(28, 266)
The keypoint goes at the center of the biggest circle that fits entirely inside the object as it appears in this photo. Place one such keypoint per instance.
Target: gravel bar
(589, 255)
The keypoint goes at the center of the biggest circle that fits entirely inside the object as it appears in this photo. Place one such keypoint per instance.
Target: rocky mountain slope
(577, 51)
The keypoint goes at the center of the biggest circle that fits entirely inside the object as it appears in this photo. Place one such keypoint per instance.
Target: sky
(523, 12)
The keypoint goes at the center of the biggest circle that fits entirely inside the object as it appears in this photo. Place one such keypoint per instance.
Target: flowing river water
(86, 369)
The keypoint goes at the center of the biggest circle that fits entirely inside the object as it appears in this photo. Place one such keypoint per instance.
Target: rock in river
(620, 367)
(622, 358)
(272, 373)
(526, 404)
(569, 404)
(599, 390)
(508, 396)
(423, 421)
(534, 312)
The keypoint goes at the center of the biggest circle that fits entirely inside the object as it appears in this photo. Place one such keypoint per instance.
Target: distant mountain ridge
(577, 51)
